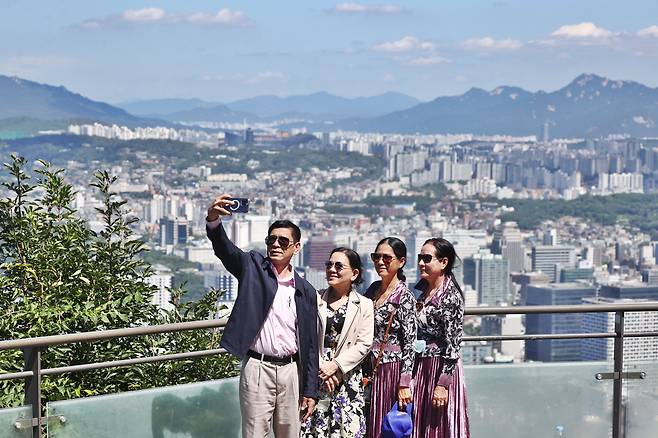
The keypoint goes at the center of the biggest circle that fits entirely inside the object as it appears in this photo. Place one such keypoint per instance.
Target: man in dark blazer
(272, 328)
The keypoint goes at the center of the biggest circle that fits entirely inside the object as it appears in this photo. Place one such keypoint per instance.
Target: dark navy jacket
(257, 285)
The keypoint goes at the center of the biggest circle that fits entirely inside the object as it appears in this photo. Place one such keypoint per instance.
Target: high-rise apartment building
(635, 349)
(489, 275)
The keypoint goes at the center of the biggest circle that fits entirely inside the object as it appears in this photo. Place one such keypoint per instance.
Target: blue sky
(226, 50)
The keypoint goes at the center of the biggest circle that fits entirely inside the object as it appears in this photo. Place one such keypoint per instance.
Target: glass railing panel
(539, 400)
(205, 409)
(640, 400)
(11, 425)
(504, 400)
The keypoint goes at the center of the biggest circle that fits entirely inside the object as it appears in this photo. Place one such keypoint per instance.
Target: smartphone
(240, 205)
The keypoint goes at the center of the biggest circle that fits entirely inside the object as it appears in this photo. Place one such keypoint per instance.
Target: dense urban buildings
(465, 188)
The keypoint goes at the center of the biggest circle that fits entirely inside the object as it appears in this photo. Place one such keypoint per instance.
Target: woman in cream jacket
(345, 332)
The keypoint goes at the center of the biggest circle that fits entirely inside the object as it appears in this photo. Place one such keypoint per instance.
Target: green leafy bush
(57, 276)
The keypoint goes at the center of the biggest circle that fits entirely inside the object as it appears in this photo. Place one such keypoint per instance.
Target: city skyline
(232, 50)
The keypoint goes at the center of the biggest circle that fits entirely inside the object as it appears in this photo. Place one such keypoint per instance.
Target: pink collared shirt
(278, 336)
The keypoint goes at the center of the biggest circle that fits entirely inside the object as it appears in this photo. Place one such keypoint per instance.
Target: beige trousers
(269, 393)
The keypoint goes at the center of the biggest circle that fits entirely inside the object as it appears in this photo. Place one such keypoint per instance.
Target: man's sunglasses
(338, 265)
(386, 258)
(284, 242)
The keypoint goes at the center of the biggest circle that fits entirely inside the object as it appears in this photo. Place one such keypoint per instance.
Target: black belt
(273, 359)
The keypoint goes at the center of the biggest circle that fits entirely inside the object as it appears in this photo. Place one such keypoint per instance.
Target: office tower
(569, 275)
(635, 349)
(550, 237)
(221, 280)
(650, 276)
(508, 242)
(232, 139)
(414, 244)
(630, 290)
(174, 231)
(317, 278)
(489, 275)
(513, 325)
(552, 350)
(316, 252)
(474, 352)
(240, 233)
(545, 259)
(155, 209)
(161, 279)
(249, 137)
(520, 284)
(258, 226)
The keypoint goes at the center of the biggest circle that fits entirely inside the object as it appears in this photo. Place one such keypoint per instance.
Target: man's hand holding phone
(223, 205)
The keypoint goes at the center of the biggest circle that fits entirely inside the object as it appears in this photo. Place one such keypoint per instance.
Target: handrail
(45, 341)
(577, 308)
(32, 347)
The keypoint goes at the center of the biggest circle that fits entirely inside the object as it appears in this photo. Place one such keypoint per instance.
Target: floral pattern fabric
(440, 326)
(402, 335)
(340, 413)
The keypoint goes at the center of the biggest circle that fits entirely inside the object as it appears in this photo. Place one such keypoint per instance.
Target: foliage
(636, 210)
(180, 155)
(57, 276)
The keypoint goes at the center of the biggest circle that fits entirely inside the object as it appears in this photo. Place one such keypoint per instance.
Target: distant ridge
(589, 106)
(20, 98)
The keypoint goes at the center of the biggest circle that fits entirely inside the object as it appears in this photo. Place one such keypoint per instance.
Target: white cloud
(359, 8)
(489, 43)
(388, 77)
(425, 61)
(141, 15)
(405, 44)
(651, 31)
(582, 30)
(224, 17)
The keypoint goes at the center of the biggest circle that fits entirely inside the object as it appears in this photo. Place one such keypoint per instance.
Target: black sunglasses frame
(284, 242)
(426, 260)
(386, 258)
(339, 266)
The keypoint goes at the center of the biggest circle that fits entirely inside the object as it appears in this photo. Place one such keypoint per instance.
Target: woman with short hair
(345, 332)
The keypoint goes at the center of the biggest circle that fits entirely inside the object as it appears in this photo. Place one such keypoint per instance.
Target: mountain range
(20, 98)
(316, 106)
(589, 106)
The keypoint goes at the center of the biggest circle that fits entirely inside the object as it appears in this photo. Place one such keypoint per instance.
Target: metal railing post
(33, 387)
(617, 403)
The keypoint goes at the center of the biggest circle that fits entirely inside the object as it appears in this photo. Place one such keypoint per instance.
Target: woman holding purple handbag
(439, 389)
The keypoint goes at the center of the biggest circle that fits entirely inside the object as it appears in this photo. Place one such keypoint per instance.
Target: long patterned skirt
(341, 413)
(449, 421)
(384, 395)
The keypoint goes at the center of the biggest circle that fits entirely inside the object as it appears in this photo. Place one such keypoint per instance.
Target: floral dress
(341, 413)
